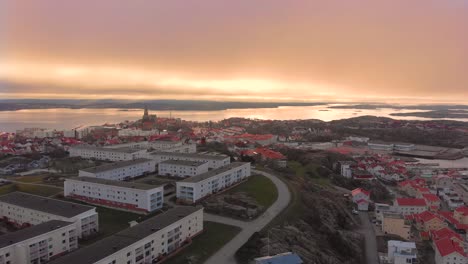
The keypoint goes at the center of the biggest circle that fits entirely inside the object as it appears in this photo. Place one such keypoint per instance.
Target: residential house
(361, 197)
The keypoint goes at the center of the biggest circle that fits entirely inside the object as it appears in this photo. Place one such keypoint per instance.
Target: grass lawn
(293, 210)
(8, 188)
(214, 237)
(259, 187)
(32, 189)
(110, 222)
(30, 179)
(297, 167)
(37, 190)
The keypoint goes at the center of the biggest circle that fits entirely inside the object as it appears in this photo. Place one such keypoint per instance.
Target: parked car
(355, 212)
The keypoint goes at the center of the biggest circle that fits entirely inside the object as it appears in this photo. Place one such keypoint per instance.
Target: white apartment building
(110, 154)
(400, 252)
(45, 133)
(23, 209)
(147, 242)
(346, 170)
(38, 244)
(166, 146)
(214, 161)
(127, 196)
(120, 170)
(409, 206)
(182, 168)
(127, 132)
(192, 189)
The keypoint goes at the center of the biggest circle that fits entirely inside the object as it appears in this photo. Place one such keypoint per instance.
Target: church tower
(146, 115)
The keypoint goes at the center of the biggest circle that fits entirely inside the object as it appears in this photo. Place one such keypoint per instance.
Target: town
(156, 190)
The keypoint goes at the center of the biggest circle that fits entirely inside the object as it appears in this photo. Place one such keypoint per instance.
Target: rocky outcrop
(238, 205)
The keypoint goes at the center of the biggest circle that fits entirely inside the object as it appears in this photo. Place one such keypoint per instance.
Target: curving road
(226, 254)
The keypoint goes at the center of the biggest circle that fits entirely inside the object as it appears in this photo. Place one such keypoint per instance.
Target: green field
(32, 189)
(110, 221)
(214, 237)
(259, 187)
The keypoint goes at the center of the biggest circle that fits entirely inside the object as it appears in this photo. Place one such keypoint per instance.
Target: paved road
(226, 254)
(370, 240)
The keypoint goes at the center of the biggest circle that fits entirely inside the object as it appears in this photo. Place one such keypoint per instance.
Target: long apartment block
(110, 154)
(167, 146)
(147, 242)
(121, 170)
(192, 189)
(38, 244)
(23, 210)
(214, 161)
(128, 196)
(182, 168)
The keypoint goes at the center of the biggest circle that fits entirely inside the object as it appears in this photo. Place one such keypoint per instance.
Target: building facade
(166, 146)
(110, 154)
(400, 252)
(449, 252)
(121, 170)
(182, 168)
(214, 161)
(23, 210)
(128, 196)
(38, 244)
(409, 206)
(193, 189)
(147, 242)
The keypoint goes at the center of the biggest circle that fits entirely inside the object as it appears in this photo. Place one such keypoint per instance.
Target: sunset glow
(284, 51)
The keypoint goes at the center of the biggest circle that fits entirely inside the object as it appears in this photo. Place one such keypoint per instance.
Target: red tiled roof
(431, 197)
(362, 201)
(424, 234)
(426, 216)
(463, 210)
(410, 202)
(445, 233)
(445, 246)
(423, 189)
(360, 190)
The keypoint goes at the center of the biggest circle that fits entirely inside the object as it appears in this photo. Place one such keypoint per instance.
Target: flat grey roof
(31, 232)
(44, 204)
(211, 173)
(123, 150)
(124, 184)
(184, 162)
(115, 165)
(191, 155)
(112, 244)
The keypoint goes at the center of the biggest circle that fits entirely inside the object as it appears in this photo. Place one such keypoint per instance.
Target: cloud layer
(284, 50)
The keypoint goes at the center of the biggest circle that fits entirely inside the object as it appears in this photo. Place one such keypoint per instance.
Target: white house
(214, 161)
(361, 197)
(22, 210)
(192, 189)
(38, 244)
(147, 242)
(448, 251)
(346, 170)
(110, 154)
(409, 206)
(128, 196)
(400, 252)
(182, 168)
(121, 170)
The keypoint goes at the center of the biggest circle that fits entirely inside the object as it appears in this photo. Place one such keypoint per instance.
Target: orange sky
(235, 50)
